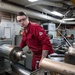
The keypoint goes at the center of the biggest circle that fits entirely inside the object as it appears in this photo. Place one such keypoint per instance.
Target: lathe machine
(9, 56)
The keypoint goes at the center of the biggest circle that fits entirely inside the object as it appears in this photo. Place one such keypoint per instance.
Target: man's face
(22, 20)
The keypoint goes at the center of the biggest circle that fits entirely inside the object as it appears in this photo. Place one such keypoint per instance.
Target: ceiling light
(32, 0)
(56, 13)
(66, 19)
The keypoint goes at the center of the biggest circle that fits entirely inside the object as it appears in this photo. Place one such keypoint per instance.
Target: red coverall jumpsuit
(37, 40)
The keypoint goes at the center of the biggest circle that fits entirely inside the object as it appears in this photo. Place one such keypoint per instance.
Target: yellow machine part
(73, 1)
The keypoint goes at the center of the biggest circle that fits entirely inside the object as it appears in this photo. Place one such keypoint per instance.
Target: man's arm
(44, 53)
(23, 42)
(45, 42)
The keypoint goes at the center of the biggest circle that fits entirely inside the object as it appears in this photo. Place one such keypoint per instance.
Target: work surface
(41, 71)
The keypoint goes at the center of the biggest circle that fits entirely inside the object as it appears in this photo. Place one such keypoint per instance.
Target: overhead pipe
(34, 14)
(58, 67)
(43, 9)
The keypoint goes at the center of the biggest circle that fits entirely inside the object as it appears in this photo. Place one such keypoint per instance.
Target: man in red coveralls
(35, 37)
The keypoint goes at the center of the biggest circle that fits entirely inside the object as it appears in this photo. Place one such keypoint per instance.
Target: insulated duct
(34, 14)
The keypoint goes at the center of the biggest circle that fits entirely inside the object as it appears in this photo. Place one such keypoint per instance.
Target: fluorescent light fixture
(56, 13)
(67, 19)
(32, 0)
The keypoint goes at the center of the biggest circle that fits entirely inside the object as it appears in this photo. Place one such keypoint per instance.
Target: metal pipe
(60, 25)
(59, 67)
(18, 69)
(65, 39)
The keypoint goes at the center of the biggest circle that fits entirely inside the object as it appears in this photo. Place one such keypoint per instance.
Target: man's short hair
(21, 14)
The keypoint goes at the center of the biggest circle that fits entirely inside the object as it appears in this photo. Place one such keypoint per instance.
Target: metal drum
(11, 52)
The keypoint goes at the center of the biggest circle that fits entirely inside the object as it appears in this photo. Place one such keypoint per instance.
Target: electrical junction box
(50, 28)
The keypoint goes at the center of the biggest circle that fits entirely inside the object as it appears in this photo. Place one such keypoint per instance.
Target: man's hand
(44, 55)
(40, 61)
